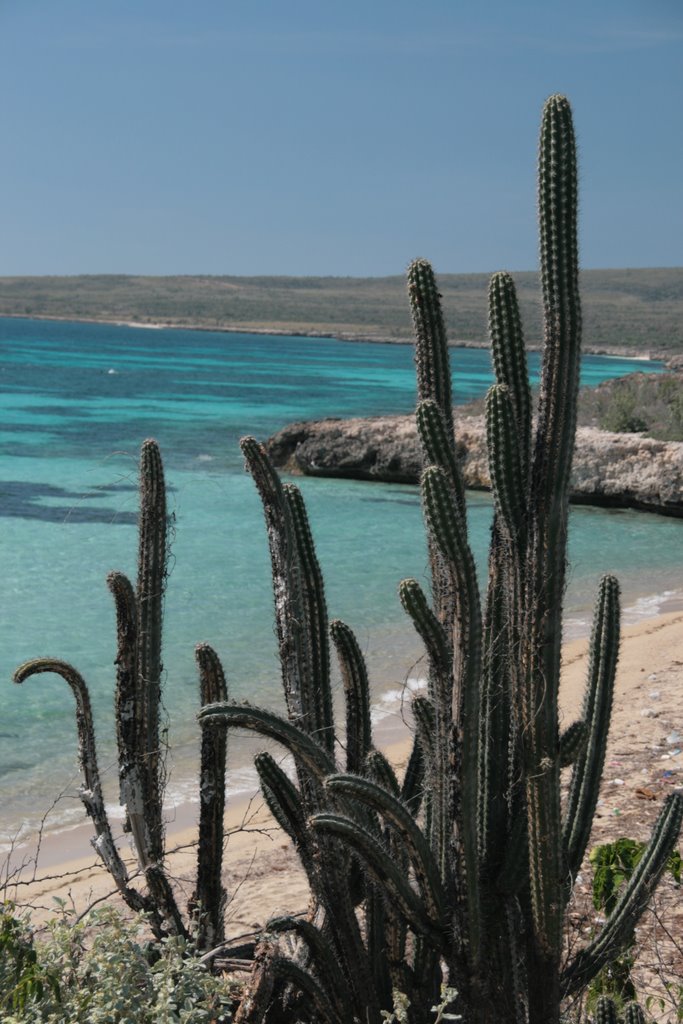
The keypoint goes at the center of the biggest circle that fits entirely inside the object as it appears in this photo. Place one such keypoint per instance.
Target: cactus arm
(572, 743)
(357, 694)
(321, 949)
(509, 357)
(605, 1011)
(285, 804)
(283, 800)
(90, 791)
(633, 1014)
(438, 447)
(292, 973)
(632, 902)
(150, 589)
(281, 544)
(151, 582)
(130, 722)
(412, 787)
(548, 527)
(449, 533)
(316, 694)
(125, 704)
(209, 899)
(390, 928)
(497, 770)
(431, 345)
(399, 816)
(429, 628)
(557, 197)
(505, 466)
(597, 707)
(423, 713)
(379, 771)
(300, 610)
(383, 872)
(304, 749)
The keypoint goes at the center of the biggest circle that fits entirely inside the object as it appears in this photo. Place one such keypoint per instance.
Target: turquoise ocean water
(77, 400)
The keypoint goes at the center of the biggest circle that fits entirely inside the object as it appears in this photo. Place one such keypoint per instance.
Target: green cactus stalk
(509, 358)
(632, 902)
(595, 716)
(633, 1013)
(606, 1011)
(209, 900)
(357, 694)
(150, 592)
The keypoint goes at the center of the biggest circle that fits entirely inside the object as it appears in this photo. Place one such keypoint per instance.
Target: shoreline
(261, 868)
(610, 351)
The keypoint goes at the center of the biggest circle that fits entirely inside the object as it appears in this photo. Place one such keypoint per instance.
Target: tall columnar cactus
(465, 866)
(137, 702)
(477, 875)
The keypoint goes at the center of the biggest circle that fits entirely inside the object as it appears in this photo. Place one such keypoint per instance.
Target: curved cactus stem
(304, 749)
(509, 358)
(433, 635)
(90, 791)
(292, 973)
(282, 798)
(573, 742)
(322, 951)
(399, 816)
(209, 899)
(383, 872)
(379, 771)
(357, 694)
(632, 902)
(597, 708)
(285, 804)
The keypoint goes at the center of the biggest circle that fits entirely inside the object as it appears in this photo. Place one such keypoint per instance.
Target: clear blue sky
(345, 138)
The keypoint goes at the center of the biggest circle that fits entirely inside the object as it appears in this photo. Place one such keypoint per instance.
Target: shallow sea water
(77, 401)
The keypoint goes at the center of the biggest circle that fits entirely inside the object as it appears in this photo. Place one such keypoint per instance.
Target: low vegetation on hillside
(647, 403)
(639, 311)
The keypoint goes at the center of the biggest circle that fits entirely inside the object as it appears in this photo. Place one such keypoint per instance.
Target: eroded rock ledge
(620, 470)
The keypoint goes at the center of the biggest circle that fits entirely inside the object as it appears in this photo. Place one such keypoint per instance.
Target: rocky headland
(610, 469)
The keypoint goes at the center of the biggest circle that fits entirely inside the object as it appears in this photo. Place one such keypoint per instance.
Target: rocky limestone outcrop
(621, 470)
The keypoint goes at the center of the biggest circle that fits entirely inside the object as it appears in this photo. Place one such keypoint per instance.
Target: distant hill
(629, 311)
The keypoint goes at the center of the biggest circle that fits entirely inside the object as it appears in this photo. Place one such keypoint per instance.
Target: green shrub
(102, 970)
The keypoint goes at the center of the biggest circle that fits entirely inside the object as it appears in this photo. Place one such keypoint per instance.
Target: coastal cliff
(619, 470)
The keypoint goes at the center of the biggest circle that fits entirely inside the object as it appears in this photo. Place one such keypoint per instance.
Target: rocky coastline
(615, 470)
